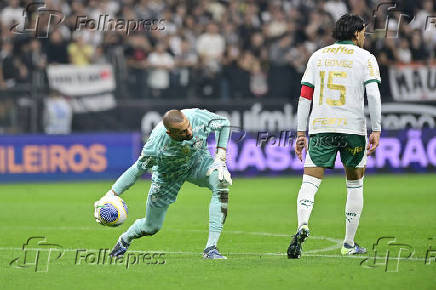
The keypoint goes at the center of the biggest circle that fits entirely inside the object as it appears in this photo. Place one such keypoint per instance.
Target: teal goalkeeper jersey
(170, 159)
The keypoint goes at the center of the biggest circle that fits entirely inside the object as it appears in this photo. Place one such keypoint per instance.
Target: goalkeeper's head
(350, 27)
(178, 126)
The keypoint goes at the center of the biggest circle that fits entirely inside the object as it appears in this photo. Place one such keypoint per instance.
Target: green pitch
(257, 232)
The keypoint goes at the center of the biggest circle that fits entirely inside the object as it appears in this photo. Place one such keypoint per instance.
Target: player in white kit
(334, 83)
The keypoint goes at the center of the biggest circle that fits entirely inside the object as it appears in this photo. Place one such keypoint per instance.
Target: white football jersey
(338, 73)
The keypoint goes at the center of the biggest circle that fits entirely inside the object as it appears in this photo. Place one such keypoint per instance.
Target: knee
(217, 185)
(151, 230)
(223, 197)
(355, 173)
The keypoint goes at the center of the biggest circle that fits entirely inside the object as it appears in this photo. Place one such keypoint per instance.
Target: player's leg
(321, 154)
(148, 226)
(306, 197)
(217, 206)
(158, 200)
(353, 156)
(312, 178)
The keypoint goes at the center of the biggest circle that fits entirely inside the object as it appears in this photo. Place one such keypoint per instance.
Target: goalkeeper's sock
(353, 209)
(306, 198)
(217, 216)
(213, 239)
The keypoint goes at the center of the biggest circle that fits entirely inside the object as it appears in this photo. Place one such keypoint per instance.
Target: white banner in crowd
(413, 82)
(90, 86)
(75, 80)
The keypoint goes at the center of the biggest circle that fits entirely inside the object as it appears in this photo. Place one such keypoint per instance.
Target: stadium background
(243, 60)
(78, 105)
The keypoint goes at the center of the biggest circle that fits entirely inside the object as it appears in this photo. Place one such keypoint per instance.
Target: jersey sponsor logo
(328, 122)
(372, 71)
(336, 50)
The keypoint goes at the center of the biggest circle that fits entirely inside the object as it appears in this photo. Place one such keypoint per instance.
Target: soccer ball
(111, 211)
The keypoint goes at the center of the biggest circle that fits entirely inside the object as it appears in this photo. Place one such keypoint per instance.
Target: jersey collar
(345, 42)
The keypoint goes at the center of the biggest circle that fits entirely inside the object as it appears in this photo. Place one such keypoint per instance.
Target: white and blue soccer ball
(111, 211)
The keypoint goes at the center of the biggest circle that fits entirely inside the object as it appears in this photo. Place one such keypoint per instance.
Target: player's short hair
(347, 25)
(171, 117)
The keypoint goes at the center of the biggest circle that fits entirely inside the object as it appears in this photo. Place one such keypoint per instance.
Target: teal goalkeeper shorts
(164, 191)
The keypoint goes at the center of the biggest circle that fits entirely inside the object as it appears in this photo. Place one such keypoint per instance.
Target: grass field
(257, 232)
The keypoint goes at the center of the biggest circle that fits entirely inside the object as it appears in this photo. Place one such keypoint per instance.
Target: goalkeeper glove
(99, 203)
(220, 165)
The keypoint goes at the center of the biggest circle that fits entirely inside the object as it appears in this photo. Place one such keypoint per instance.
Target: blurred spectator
(80, 52)
(136, 53)
(404, 54)
(160, 63)
(13, 69)
(12, 14)
(336, 8)
(56, 48)
(418, 50)
(58, 114)
(210, 47)
(186, 62)
(258, 80)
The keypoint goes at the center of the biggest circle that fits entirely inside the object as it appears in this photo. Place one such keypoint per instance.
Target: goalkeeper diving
(175, 152)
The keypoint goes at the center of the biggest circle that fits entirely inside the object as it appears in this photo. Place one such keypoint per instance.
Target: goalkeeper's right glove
(99, 203)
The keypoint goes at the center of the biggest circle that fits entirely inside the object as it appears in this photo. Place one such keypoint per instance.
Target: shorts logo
(354, 150)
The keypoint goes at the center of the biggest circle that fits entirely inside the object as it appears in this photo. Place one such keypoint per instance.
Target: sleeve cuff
(372, 81)
(308, 84)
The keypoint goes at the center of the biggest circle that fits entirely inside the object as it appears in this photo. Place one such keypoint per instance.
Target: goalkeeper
(176, 151)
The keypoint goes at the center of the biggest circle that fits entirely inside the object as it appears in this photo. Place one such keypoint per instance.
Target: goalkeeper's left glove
(220, 165)
(99, 203)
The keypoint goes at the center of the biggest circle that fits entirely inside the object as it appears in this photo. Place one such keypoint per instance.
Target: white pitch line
(337, 243)
(308, 253)
(225, 253)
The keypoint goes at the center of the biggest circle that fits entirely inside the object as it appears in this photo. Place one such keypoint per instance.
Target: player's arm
(374, 106)
(372, 79)
(303, 110)
(221, 126)
(129, 177)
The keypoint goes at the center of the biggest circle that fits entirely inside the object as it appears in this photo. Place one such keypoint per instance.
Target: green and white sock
(353, 209)
(306, 198)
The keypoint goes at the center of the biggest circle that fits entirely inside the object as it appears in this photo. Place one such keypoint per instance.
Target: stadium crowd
(205, 48)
